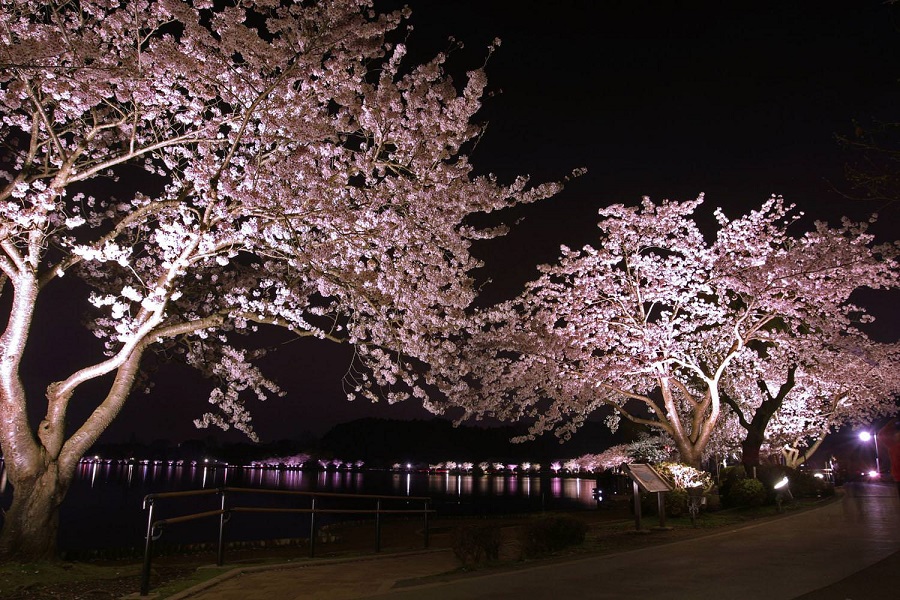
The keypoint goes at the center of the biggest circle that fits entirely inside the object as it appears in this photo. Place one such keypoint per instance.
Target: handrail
(326, 494)
(155, 528)
(282, 492)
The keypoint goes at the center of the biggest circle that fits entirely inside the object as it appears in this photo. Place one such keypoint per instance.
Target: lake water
(103, 508)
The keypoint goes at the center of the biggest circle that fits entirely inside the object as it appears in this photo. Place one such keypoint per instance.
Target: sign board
(648, 478)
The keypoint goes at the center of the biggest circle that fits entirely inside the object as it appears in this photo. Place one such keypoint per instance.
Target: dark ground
(609, 530)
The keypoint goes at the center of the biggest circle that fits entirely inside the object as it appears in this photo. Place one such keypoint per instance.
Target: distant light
(782, 483)
(865, 436)
(819, 476)
(873, 473)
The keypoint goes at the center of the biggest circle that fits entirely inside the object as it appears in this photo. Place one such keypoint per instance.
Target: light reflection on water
(150, 477)
(104, 505)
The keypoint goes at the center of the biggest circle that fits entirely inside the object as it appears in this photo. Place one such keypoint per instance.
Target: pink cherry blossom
(207, 170)
(656, 319)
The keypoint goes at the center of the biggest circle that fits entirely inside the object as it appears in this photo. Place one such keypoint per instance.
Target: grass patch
(15, 577)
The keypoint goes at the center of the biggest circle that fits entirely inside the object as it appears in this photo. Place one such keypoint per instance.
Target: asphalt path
(844, 550)
(816, 554)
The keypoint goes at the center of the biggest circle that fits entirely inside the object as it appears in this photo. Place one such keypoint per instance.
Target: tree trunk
(756, 427)
(31, 525)
(750, 449)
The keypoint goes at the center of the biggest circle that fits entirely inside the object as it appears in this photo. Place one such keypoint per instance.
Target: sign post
(648, 479)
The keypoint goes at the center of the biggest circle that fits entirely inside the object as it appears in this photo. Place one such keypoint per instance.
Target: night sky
(665, 99)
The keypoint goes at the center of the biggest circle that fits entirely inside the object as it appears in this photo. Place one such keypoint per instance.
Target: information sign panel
(648, 478)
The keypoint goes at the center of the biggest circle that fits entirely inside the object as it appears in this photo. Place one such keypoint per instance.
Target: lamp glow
(865, 436)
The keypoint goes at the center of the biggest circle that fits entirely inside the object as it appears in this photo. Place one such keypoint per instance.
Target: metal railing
(155, 528)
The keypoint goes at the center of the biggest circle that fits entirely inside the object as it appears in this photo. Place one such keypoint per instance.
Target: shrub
(713, 500)
(676, 502)
(747, 492)
(477, 544)
(546, 535)
(685, 476)
(804, 485)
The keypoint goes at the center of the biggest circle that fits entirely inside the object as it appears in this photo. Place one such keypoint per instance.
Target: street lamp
(866, 436)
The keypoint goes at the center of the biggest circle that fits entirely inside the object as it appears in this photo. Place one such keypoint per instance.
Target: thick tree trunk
(31, 524)
(689, 454)
(756, 427)
(751, 447)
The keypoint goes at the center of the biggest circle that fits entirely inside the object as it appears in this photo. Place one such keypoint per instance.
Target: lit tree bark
(756, 426)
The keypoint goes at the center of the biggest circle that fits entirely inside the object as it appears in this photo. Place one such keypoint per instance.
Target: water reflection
(112, 492)
(159, 476)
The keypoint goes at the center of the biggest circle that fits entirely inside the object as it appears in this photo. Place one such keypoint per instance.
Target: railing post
(378, 525)
(148, 547)
(425, 527)
(220, 548)
(312, 530)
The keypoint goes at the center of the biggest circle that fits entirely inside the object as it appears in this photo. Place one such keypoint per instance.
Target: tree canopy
(207, 169)
(651, 319)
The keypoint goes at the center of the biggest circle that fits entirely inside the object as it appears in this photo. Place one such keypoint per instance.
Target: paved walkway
(844, 550)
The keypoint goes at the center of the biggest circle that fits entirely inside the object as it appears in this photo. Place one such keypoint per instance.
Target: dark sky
(739, 100)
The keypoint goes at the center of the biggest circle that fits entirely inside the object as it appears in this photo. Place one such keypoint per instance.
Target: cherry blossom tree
(801, 387)
(284, 165)
(650, 320)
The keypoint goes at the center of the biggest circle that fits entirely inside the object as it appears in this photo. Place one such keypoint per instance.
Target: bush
(546, 535)
(713, 501)
(746, 492)
(676, 502)
(477, 544)
(685, 476)
(804, 485)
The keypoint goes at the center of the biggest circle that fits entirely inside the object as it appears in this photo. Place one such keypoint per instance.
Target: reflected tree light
(294, 479)
(436, 484)
(556, 487)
